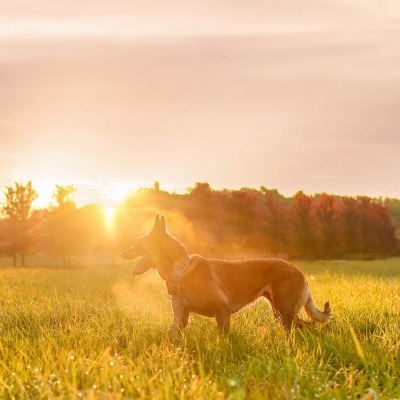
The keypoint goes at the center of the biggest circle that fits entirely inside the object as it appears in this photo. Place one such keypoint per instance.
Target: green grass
(99, 333)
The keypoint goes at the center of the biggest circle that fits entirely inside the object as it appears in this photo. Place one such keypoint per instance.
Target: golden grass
(98, 333)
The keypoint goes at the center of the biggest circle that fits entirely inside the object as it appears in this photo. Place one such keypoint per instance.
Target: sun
(109, 216)
(117, 192)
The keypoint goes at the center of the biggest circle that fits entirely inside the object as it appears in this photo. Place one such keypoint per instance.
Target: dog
(218, 288)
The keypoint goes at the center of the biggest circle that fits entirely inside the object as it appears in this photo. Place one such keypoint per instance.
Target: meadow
(98, 333)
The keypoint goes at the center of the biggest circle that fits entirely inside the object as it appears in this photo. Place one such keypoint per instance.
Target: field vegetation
(98, 333)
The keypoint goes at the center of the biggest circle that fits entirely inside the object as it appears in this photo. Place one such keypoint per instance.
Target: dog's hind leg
(288, 301)
(287, 312)
(223, 321)
(286, 319)
(274, 310)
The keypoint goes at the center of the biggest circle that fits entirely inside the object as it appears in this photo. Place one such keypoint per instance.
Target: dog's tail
(314, 313)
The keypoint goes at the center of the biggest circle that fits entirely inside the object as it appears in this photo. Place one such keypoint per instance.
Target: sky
(114, 95)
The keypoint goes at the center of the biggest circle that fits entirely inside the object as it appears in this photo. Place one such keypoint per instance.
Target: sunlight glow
(116, 192)
(107, 194)
(44, 189)
(109, 214)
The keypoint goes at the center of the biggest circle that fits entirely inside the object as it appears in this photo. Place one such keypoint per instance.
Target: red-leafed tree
(205, 207)
(274, 221)
(242, 209)
(385, 230)
(366, 228)
(349, 221)
(303, 224)
(326, 214)
(376, 231)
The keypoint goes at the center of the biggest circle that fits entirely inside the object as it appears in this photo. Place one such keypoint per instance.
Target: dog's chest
(203, 305)
(206, 300)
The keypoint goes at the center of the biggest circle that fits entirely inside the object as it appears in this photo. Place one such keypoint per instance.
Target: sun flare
(117, 192)
(109, 214)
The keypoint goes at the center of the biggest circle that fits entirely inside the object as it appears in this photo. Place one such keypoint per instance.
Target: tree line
(220, 223)
(62, 229)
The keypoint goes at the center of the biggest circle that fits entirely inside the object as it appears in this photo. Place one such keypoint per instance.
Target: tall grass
(98, 333)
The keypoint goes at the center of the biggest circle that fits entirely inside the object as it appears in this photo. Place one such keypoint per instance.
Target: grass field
(99, 333)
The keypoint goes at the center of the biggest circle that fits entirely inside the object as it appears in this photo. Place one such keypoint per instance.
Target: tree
(327, 215)
(385, 230)
(63, 196)
(62, 223)
(302, 212)
(20, 221)
(274, 220)
(393, 206)
(243, 210)
(202, 205)
(376, 229)
(349, 221)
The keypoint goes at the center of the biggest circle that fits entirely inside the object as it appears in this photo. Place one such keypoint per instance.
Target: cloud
(155, 17)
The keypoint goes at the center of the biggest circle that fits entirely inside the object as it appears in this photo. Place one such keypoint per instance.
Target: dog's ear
(163, 223)
(157, 221)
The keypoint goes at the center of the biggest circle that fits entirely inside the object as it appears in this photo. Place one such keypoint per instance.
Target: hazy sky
(293, 95)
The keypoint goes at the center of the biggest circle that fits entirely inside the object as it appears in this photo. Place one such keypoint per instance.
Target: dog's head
(152, 248)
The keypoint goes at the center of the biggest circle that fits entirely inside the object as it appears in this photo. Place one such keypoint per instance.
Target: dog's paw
(175, 333)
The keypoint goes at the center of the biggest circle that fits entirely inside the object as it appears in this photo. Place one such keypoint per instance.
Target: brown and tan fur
(218, 288)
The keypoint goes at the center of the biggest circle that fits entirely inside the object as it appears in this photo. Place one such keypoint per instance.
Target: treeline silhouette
(220, 223)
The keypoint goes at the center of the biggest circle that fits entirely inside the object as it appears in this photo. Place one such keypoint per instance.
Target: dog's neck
(177, 272)
(172, 255)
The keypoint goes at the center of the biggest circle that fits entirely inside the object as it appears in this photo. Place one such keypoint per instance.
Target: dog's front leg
(181, 317)
(223, 321)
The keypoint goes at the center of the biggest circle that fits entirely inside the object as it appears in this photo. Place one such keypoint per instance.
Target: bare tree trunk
(22, 260)
(14, 260)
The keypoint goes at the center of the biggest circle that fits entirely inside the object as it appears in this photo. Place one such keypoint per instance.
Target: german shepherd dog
(218, 288)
